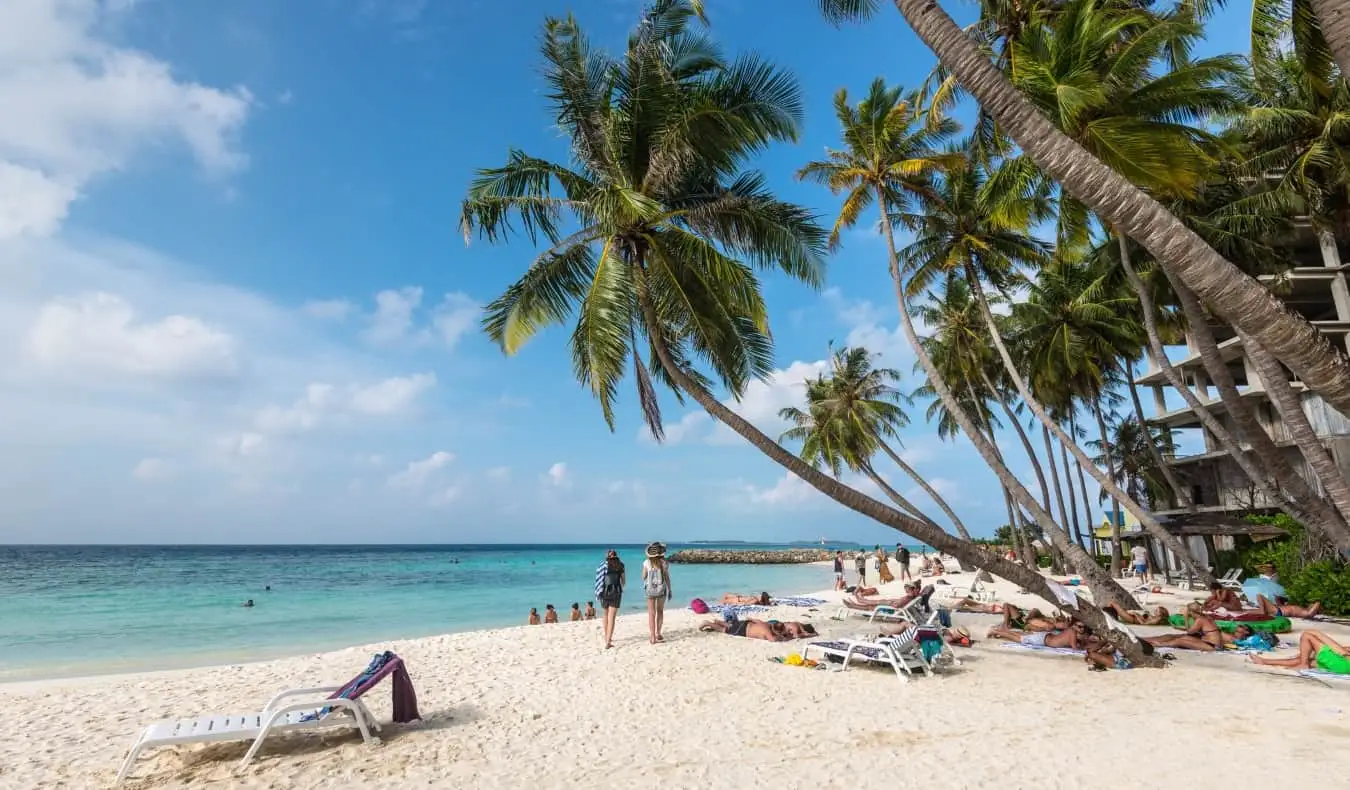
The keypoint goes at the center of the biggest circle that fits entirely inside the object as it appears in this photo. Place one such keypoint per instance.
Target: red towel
(405, 696)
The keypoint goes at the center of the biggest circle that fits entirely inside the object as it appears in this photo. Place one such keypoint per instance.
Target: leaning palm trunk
(1073, 500)
(1259, 474)
(1116, 519)
(1054, 476)
(1082, 488)
(931, 492)
(904, 504)
(1107, 482)
(1239, 299)
(1321, 516)
(1103, 586)
(860, 503)
(1334, 17)
(1025, 439)
(1291, 412)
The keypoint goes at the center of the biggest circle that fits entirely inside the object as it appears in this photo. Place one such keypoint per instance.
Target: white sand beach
(546, 706)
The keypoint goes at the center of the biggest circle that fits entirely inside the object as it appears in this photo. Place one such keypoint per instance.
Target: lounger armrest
(299, 692)
(340, 703)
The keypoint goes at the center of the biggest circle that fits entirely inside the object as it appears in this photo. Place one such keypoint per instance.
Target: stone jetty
(750, 556)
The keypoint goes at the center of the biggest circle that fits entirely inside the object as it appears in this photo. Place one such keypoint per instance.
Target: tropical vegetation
(1114, 195)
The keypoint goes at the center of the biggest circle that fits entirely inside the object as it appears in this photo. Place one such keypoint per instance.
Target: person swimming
(247, 604)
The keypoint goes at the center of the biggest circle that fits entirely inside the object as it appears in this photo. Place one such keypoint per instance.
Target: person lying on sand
(1156, 616)
(750, 629)
(1221, 597)
(1102, 655)
(1316, 650)
(1284, 609)
(979, 607)
(759, 600)
(1016, 619)
(1071, 638)
(795, 630)
(1202, 633)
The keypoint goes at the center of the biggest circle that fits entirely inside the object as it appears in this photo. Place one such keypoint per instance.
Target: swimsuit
(1328, 660)
(1034, 640)
(737, 628)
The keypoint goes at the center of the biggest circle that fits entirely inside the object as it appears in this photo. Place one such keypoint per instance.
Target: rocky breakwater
(750, 556)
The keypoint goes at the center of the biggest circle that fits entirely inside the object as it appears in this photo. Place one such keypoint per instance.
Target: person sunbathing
(795, 630)
(1221, 597)
(750, 629)
(979, 607)
(759, 600)
(1201, 633)
(1156, 616)
(1316, 650)
(1278, 609)
(1071, 638)
(1017, 619)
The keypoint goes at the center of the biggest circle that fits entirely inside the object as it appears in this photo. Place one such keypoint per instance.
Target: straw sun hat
(657, 549)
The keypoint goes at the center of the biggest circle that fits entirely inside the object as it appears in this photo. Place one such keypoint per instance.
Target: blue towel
(736, 611)
(600, 580)
(797, 601)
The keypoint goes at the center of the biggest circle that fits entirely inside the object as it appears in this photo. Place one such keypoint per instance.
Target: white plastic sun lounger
(274, 718)
(904, 664)
(1232, 580)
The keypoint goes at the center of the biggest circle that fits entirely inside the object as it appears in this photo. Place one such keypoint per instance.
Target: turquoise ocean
(83, 610)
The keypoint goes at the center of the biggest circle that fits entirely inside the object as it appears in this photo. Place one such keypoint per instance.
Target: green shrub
(1324, 581)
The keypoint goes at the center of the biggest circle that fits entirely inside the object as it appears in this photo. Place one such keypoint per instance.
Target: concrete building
(1317, 288)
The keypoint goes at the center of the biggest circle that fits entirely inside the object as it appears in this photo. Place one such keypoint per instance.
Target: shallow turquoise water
(75, 610)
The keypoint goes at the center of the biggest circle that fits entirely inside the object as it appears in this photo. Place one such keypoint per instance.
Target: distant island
(750, 556)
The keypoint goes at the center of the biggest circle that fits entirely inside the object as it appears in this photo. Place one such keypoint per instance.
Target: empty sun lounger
(342, 709)
(1329, 678)
(904, 664)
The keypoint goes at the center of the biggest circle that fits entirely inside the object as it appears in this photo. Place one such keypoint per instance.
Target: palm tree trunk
(1073, 500)
(1026, 440)
(1054, 476)
(1321, 516)
(930, 491)
(1238, 298)
(1300, 430)
(1012, 528)
(860, 503)
(1106, 482)
(1103, 586)
(905, 505)
(1179, 495)
(1110, 470)
(1082, 489)
(1334, 17)
(1261, 475)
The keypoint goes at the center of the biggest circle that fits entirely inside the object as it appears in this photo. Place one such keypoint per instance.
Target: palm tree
(669, 233)
(1334, 19)
(1136, 470)
(877, 135)
(1240, 300)
(849, 417)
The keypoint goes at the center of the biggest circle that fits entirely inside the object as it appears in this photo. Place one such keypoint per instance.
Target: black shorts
(611, 603)
(737, 628)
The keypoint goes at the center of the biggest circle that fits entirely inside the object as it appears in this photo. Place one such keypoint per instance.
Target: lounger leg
(257, 743)
(131, 758)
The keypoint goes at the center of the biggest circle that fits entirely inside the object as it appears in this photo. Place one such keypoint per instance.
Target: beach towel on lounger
(381, 666)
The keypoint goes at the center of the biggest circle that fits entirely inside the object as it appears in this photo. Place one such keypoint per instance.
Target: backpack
(699, 606)
(655, 583)
(610, 588)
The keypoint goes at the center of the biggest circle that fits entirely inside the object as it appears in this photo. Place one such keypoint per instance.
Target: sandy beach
(547, 706)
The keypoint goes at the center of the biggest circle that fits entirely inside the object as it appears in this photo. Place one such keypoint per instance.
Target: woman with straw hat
(656, 584)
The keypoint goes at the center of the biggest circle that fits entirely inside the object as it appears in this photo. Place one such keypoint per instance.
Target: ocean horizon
(73, 610)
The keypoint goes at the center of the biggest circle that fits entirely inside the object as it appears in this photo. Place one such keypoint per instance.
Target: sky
(236, 305)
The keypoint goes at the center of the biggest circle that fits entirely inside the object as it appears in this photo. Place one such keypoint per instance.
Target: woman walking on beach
(656, 584)
(609, 582)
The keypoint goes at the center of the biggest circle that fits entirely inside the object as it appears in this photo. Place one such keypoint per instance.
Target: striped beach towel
(1062, 651)
(797, 601)
(1325, 677)
(737, 611)
(599, 580)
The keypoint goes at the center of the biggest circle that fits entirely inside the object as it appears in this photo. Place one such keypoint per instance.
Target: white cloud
(78, 106)
(151, 469)
(393, 395)
(395, 319)
(99, 333)
(321, 402)
(558, 476)
(499, 474)
(416, 474)
(242, 444)
(328, 309)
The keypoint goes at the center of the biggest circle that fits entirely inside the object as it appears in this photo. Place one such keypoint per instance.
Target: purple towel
(381, 666)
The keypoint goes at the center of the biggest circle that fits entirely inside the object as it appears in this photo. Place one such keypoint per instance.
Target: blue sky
(238, 307)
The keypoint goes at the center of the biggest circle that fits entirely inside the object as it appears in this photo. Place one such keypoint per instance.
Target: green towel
(1276, 625)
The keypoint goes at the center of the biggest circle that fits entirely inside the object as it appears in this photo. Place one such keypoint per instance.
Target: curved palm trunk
(1089, 530)
(932, 493)
(1116, 519)
(1024, 438)
(1103, 586)
(1239, 299)
(1054, 476)
(1300, 430)
(1084, 462)
(1334, 16)
(1260, 476)
(860, 503)
(905, 505)
(1073, 500)
(1321, 516)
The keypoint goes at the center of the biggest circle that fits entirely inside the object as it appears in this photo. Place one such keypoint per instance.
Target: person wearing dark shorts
(609, 582)
(737, 628)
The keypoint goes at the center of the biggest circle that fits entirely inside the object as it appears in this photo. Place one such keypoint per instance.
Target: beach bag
(699, 606)
(655, 583)
(610, 588)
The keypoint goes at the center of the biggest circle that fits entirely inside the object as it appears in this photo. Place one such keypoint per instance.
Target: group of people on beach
(551, 614)
(929, 565)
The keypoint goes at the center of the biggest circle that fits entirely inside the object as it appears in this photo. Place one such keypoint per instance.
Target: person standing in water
(656, 585)
(609, 582)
